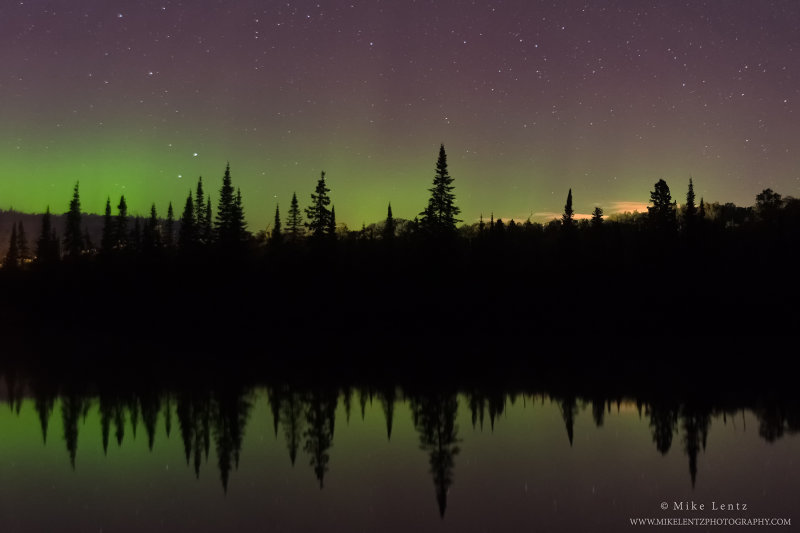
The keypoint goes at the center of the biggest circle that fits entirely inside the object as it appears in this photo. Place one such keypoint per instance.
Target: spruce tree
(388, 225)
(207, 230)
(187, 233)
(169, 228)
(225, 208)
(239, 227)
(597, 217)
(332, 223)
(690, 213)
(122, 223)
(73, 235)
(229, 227)
(276, 237)
(107, 238)
(11, 261)
(294, 221)
(47, 245)
(661, 215)
(318, 214)
(701, 212)
(567, 219)
(22, 243)
(200, 209)
(439, 218)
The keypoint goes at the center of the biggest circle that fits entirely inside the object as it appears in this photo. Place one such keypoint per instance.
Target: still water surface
(361, 459)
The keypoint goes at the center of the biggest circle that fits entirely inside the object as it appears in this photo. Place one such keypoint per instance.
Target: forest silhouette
(198, 283)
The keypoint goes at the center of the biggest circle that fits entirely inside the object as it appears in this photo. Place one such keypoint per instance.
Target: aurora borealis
(530, 98)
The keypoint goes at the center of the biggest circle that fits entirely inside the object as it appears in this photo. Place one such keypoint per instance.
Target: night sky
(530, 98)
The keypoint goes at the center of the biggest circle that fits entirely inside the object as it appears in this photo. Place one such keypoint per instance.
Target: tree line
(199, 230)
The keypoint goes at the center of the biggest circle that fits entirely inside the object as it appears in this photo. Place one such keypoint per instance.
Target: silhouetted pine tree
(567, 219)
(701, 212)
(332, 223)
(11, 261)
(107, 238)
(240, 226)
(294, 222)
(276, 237)
(229, 227)
(318, 214)
(690, 212)
(389, 225)
(187, 233)
(47, 251)
(439, 218)
(200, 211)
(207, 231)
(73, 236)
(122, 224)
(597, 217)
(661, 215)
(169, 228)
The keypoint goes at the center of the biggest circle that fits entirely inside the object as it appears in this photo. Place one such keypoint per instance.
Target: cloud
(623, 207)
(546, 216)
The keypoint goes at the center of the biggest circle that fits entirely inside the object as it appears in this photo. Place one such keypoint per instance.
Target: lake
(278, 457)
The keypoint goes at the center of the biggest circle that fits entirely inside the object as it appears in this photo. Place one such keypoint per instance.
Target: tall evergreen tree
(597, 217)
(690, 212)
(187, 233)
(22, 243)
(276, 237)
(388, 225)
(169, 228)
(239, 224)
(661, 215)
(568, 218)
(47, 251)
(318, 214)
(332, 223)
(294, 222)
(73, 232)
(200, 209)
(439, 218)
(701, 211)
(229, 225)
(122, 223)
(107, 238)
(11, 261)
(207, 231)
(224, 220)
